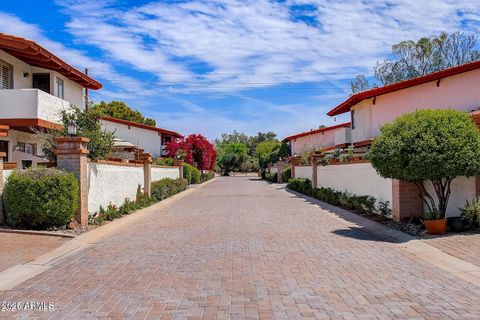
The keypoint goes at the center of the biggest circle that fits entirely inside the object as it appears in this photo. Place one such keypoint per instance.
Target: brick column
(295, 161)
(477, 186)
(2, 213)
(72, 156)
(406, 202)
(179, 164)
(147, 172)
(314, 160)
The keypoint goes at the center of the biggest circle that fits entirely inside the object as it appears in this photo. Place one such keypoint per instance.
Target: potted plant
(418, 148)
(435, 222)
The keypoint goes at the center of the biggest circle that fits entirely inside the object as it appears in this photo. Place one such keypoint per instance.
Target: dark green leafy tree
(428, 146)
(410, 59)
(267, 152)
(120, 110)
(88, 126)
(231, 156)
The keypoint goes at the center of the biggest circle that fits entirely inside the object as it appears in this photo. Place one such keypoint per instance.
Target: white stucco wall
(461, 92)
(462, 189)
(313, 141)
(31, 104)
(148, 140)
(19, 67)
(112, 184)
(363, 121)
(303, 172)
(358, 178)
(160, 173)
(73, 92)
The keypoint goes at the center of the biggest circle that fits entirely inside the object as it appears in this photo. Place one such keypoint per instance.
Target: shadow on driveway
(366, 229)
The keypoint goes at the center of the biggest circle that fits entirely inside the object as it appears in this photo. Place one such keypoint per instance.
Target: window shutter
(5, 76)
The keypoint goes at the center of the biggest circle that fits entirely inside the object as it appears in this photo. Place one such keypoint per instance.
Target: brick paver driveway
(238, 248)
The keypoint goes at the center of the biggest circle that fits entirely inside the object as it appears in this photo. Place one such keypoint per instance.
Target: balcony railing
(31, 104)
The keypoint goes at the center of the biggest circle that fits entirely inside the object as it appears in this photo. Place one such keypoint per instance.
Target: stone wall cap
(72, 139)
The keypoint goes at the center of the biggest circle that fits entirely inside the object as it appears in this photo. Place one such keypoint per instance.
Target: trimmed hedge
(301, 185)
(208, 175)
(167, 187)
(190, 173)
(272, 177)
(287, 174)
(364, 204)
(161, 189)
(40, 198)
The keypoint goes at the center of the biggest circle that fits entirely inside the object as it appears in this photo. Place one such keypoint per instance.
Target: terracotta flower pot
(436, 227)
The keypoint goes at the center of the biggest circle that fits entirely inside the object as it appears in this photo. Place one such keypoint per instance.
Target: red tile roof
(360, 96)
(308, 133)
(32, 53)
(143, 126)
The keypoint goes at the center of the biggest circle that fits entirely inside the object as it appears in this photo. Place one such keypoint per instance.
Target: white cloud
(13, 25)
(257, 43)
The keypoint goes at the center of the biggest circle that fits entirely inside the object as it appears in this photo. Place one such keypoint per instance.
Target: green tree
(250, 141)
(428, 145)
(267, 152)
(231, 156)
(89, 126)
(410, 59)
(120, 110)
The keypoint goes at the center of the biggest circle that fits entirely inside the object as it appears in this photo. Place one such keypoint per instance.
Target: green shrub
(40, 198)
(384, 208)
(471, 213)
(164, 162)
(167, 187)
(187, 172)
(208, 175)
(301, 185)
(196, 176)
(286, 174)
(191, 174)
(272, 177)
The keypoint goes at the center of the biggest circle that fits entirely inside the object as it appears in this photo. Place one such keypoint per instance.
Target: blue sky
(217, 66)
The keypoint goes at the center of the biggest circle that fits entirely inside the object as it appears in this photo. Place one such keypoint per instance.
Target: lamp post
(72, 128)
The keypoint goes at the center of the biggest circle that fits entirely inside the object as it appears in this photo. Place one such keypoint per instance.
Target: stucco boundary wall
(304, 172)
(362, 179)
(110, 182)
(358, 178)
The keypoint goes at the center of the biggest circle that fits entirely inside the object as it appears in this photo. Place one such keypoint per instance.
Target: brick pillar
(147, 172)
(314, 160)
(295, 161)
(477, 186)
(72, 156)
(2, 213)
(406, 202)
(179, 164)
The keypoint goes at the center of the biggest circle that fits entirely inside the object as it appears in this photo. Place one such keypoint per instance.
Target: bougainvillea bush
(195, 150)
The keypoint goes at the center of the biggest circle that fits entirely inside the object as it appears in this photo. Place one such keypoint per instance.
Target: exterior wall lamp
(72, 128)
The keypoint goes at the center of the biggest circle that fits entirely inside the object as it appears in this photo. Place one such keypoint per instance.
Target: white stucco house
(149, 138)
(320, 139)
(35, 86)
(455, 88)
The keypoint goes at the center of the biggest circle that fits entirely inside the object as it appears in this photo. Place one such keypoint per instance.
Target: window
(352, 115)
(60, 90)
(29, 148)
(5, 76)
